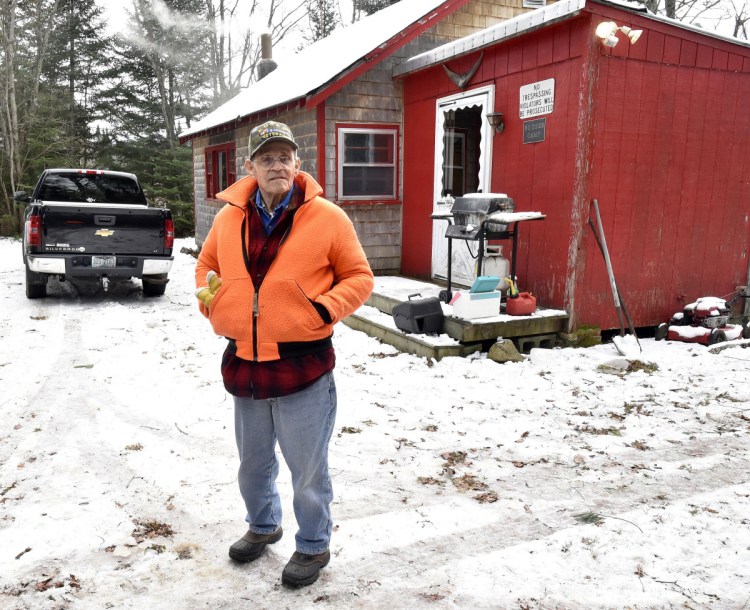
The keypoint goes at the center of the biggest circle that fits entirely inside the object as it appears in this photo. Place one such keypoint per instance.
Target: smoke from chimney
(266, 65)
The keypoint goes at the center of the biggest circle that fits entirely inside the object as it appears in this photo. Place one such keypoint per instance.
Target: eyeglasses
(269, 161)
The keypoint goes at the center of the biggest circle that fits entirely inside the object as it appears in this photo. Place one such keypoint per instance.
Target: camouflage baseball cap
(270, 131)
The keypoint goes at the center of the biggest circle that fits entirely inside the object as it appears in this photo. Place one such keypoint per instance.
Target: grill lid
(483, 203)
(470, 212)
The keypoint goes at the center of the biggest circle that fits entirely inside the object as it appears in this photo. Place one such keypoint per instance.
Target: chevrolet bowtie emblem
(104, 232)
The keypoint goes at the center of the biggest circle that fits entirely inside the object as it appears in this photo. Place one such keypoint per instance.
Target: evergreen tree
(73, 71)
(153, 91)
(323, 19)
(362, 8)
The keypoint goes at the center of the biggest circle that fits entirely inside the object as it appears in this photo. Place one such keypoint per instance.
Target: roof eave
(505, 30)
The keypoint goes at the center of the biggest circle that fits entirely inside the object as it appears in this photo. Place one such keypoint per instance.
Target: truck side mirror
(21, 197)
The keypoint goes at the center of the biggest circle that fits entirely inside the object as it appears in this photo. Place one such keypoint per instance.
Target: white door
(463, 158)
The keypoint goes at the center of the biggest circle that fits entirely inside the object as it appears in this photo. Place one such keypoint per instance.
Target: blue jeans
(302, 423)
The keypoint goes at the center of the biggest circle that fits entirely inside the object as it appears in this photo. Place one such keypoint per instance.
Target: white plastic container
(495, 263)
(471, 305)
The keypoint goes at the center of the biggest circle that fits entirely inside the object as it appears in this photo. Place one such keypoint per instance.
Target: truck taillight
(169, 233)
(34, 231)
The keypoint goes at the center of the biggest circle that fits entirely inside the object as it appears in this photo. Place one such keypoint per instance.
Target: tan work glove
(206, 294)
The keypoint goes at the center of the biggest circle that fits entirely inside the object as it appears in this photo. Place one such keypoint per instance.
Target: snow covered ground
(575, 479)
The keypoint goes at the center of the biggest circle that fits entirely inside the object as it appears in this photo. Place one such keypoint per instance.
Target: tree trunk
(11, 132)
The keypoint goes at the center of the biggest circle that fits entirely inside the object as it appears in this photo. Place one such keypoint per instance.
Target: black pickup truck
(83, 224)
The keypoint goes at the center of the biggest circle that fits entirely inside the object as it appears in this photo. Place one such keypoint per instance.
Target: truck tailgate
(102, 229)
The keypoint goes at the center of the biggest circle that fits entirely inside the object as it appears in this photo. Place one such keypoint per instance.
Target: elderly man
(280, 266)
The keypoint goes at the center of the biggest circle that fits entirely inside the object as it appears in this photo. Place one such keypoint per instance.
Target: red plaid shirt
(248, 379)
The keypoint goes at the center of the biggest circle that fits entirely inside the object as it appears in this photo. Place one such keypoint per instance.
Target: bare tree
(738, 14)
(703, 13)
(21, 77)
(235, 52)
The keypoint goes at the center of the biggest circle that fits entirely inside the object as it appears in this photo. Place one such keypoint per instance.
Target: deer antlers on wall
(462, 80)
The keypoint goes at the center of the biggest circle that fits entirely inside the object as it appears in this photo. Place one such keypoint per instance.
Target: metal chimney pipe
(266, 48)
(266, 65)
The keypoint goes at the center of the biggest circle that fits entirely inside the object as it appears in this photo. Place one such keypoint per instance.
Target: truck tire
(36, 284)
(154, 285)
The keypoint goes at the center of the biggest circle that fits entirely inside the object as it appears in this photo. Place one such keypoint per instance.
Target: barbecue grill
(479, 217)
(470, 214)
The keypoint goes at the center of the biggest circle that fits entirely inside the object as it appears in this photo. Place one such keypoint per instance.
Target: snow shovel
(620, 342)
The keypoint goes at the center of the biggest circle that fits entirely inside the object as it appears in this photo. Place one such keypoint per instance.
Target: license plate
(107, 262)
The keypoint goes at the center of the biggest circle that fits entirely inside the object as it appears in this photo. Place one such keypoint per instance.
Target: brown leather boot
(252, 545)
(304, 569)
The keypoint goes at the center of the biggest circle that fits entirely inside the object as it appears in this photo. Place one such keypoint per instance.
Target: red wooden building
(656, 130)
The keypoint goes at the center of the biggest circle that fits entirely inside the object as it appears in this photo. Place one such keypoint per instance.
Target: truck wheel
(155, 287)
(716, 336)
(36, 284)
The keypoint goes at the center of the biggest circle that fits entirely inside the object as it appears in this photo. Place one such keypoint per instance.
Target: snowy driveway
(559, 482)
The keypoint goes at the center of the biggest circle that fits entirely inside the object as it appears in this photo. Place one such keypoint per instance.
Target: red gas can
(522, 305)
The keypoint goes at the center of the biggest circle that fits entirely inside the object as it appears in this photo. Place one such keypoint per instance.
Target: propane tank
(496, 264)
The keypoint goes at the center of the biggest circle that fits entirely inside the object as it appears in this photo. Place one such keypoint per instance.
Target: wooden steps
(460, 337)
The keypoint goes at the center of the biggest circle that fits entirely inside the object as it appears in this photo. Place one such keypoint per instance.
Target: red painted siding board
(637, 260)
(672, 46)
(688, 53)
(529, 53)
(655, 263)
(722, 214)
(737, 193)
(704, 57)
(515, 57)
(720, 60)
(581, 32)
(624, 193)
(500, 59)
(734, 62)
(683, 277)
(673, 205)
(545, 47)
(419, 151)
(561, 43)
(640, 48)
(654, 46)
(707, 96)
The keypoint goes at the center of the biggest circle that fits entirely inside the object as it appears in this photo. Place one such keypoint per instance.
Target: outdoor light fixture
(495, 119)
(607, 31)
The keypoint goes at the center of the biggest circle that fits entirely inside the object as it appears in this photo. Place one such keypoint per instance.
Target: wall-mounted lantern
(496, 121)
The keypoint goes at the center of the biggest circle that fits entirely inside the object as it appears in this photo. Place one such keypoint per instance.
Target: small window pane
(369, 181)
(221, 170)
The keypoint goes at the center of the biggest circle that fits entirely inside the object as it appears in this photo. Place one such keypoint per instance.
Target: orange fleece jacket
(320, 259)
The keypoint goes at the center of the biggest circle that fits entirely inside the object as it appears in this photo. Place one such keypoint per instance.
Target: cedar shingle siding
(373, 98)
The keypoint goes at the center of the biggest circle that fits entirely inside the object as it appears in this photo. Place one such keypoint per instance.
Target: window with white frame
(367, 163)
